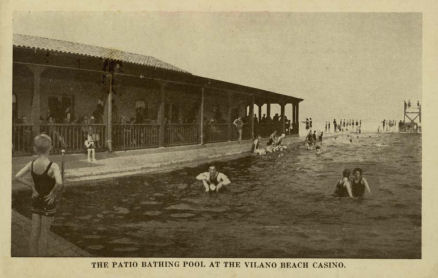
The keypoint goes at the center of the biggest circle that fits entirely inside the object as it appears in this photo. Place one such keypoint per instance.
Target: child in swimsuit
(343, 187)
(91, 147)
(213, 180)
(47, 181)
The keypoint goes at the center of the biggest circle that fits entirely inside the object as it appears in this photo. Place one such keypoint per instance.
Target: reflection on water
(276, 206)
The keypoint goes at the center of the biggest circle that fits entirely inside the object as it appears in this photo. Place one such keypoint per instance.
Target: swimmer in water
(308, 140)
(318, 150)
(213, 180)
(343, 187)
(359, 183)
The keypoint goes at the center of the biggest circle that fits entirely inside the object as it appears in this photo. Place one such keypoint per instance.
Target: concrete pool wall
(123, 163)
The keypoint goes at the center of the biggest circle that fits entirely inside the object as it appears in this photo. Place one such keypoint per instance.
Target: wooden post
(292, 119)
(260, 111)
(170, 116)
(109, 123)
(230, 120)
(297, 118)
(161, 115)
(201, 116)
(251, 116)
(36, 102)
(268, 110)
(404, 112)
(283, 121)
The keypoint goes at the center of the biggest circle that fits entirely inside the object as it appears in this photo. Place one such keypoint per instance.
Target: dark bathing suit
(43, 185)
(213, 180)
(341, 191)
(357, 188)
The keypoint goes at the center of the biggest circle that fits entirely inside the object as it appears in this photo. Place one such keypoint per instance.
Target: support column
(36, 103)
(283, 120)
(251, 116)
(292, 119)
(230, 120)
(201, 116)
(297, 118)
(109, 120)
(268, 109)
(170, 116)
(260, 111)
(161, 116)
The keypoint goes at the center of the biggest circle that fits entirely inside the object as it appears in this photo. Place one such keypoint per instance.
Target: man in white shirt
(213, 180)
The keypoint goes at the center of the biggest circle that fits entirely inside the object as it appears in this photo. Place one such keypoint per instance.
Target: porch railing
(216, 133)
(135, 136)
(181, 134)
(21, 139)
(71, 137)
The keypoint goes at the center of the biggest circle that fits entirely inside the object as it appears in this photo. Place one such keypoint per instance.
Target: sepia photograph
(216, 134)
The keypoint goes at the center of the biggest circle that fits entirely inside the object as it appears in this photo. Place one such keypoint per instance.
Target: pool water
(280, 205)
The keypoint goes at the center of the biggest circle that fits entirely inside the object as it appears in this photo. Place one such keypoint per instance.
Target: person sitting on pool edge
(255, 148)
(277, 144)
(213, 180)
(343, 187)
(359, 183)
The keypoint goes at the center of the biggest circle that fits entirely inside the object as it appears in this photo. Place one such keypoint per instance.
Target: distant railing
(71, 137)
(181, 134)
(135, 136)
(21, 139)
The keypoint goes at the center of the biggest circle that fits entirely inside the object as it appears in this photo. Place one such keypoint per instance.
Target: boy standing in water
(213, 180)
(47, 182)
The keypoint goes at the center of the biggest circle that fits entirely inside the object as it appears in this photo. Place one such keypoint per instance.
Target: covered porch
(128, 104)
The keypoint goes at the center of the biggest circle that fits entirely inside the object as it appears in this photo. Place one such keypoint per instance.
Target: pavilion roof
(34, 42)
(20, 40)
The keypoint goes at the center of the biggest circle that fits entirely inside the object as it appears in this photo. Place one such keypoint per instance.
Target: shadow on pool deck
(20, 235)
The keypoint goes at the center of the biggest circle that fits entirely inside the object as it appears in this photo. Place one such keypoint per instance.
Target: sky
(344, 65)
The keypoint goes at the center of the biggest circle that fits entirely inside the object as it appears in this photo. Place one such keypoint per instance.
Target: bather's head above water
(357, 174)
(346, 173)
(212, 170)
